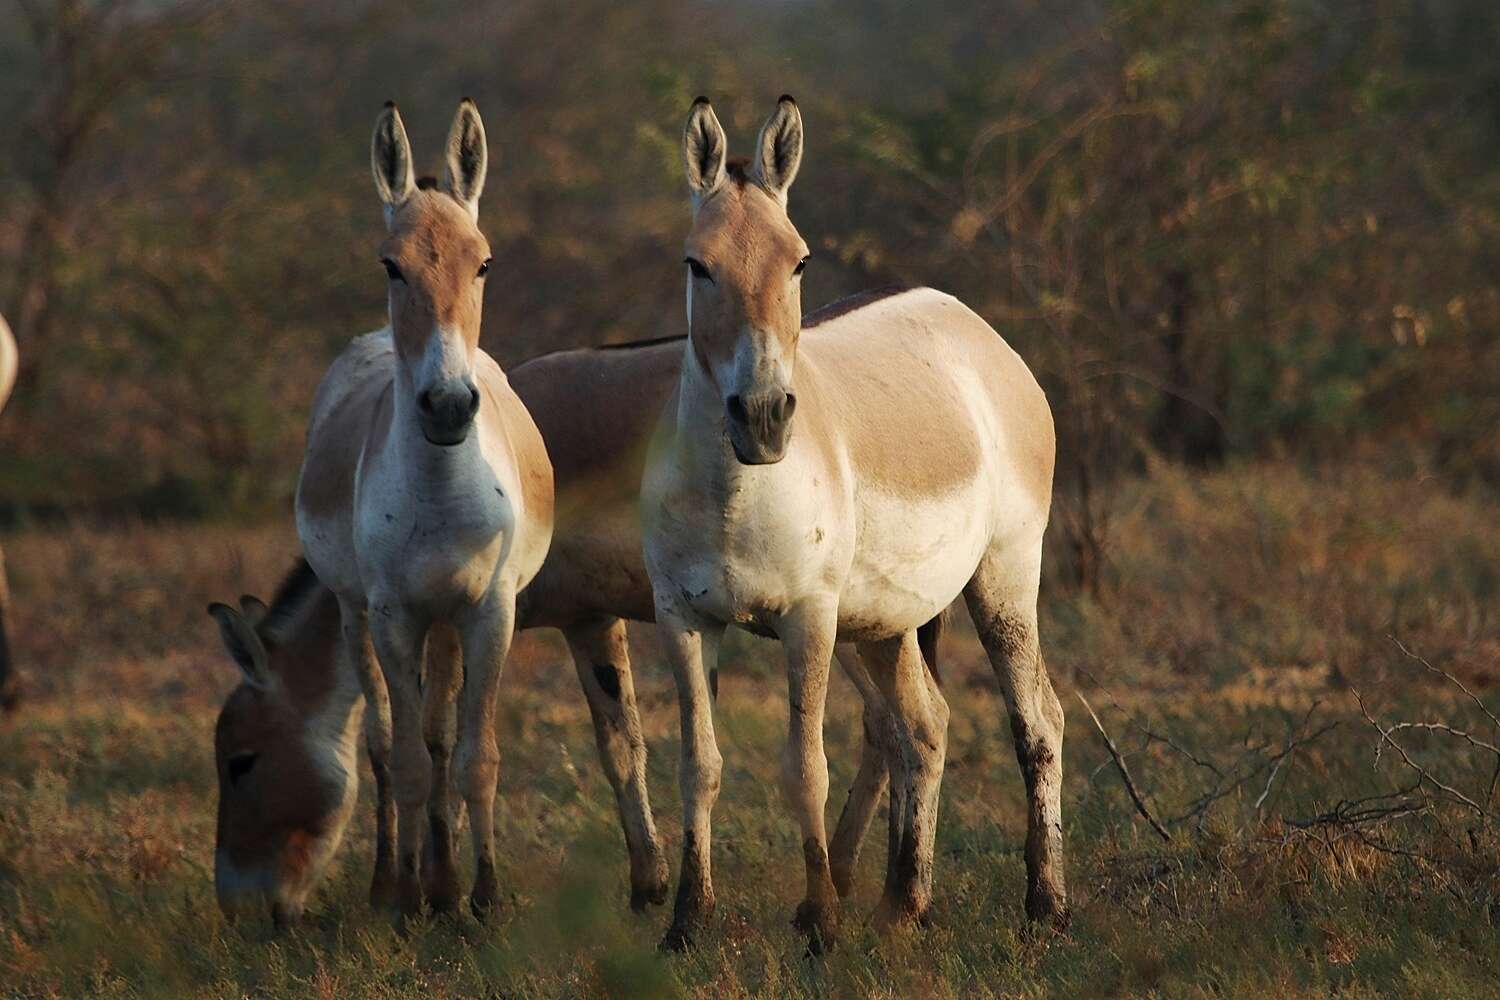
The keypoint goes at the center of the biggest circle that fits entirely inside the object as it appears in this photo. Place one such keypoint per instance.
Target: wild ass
(849, 490)
(425, 505)
(9, 361)
(596, 409)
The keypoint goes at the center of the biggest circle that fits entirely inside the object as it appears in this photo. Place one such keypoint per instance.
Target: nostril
(791, 405)
(737, 411)
(424, 402)
(473, 401)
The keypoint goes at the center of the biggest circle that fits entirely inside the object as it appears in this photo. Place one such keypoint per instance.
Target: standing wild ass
(596, 409)
(920, 467)
(425, 505)
(9, 361)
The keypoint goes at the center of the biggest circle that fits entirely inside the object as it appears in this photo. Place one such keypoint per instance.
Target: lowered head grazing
(436, 259)
(283, 750)
(745, 262)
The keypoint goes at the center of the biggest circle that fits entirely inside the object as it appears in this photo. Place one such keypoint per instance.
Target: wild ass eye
(240, 765)
(485, 267)
(801, 265)
(392, 271)
(699, 271)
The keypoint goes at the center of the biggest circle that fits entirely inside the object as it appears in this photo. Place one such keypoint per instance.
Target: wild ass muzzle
(847, 485)
(425, 505)
(286, 718)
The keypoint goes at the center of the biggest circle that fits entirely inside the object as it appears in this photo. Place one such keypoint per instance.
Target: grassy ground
(1242, 608)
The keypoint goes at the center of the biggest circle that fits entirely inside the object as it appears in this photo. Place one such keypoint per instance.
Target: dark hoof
(1048, 908)
(652, 890)
(678, 939)
(843, 881)
(819, 923)
(891, 914)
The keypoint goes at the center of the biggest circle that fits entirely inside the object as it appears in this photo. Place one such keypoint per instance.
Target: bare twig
(1422, 773)
(1135, 794)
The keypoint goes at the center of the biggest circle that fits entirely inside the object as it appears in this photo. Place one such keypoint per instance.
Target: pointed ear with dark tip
(704, 149)
(244, 645)
(254, 609)
(467, 157)
(390, 158)
(778, 150)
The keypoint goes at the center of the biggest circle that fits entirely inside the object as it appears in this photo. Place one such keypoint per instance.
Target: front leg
(808, 635)
(692, 647)
(398, 638)
(487, 632)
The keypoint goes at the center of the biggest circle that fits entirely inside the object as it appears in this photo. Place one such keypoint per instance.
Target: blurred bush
(1258, 226)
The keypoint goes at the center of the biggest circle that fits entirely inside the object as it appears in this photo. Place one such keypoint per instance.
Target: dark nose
(773, 407)
(448, 410)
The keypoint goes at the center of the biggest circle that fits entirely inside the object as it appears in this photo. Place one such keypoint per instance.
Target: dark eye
(392, 271)
(699, 271)
(485, 267)
(801, 265)
(240, 765)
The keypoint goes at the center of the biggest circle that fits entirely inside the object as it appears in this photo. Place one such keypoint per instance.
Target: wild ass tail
(927, 641)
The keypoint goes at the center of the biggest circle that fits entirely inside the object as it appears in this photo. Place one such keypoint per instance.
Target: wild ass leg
(808, 635)
(486, 640)
(601, 655)
(398, 644)
(870, 781)
(1003, 605)
(440, 881)
(359, 656)
(920, 716)
(693, 650)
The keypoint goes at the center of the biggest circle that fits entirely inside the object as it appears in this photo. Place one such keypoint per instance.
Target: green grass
(1236, 603)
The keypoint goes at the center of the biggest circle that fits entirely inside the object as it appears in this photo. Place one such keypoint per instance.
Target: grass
(1242, 607)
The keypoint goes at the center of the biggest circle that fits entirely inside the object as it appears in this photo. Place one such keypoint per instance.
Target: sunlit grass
(1235, 603)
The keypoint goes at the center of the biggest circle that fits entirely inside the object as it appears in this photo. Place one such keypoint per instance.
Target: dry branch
(1114, 751)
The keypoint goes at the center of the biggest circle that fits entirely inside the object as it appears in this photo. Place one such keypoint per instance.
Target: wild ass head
(284, 749)
(436, 259)
(745, 261)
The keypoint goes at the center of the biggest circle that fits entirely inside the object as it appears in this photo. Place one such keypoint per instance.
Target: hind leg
(870, 781)
(444, 672)
(1002, 601)
(601, 654)
(919, 715)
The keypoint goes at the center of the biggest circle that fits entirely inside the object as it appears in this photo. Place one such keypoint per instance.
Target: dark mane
(737, 169)
(849, 303)
(298, 589)
(647, 342)
(426, 183)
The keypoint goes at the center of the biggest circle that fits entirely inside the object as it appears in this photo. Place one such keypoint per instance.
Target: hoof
(650, 890)
(484, 901)
(1048, 907)
(443, 892)
(819, 922)
(894, 913)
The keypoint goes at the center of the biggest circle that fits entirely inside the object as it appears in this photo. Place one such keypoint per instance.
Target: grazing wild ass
(847, 490)
(596, 410)
(425, 505)
(9, 361)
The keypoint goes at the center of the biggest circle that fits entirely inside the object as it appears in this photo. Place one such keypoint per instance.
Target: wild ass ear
(244, 645)
(467, 157)
(254, 609)
(704, 149)
(778, 150)
(390, 158)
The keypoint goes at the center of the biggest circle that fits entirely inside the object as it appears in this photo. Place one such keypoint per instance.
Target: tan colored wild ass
(9, 362)
(596, 410)
(847, 490)
(425, 505)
